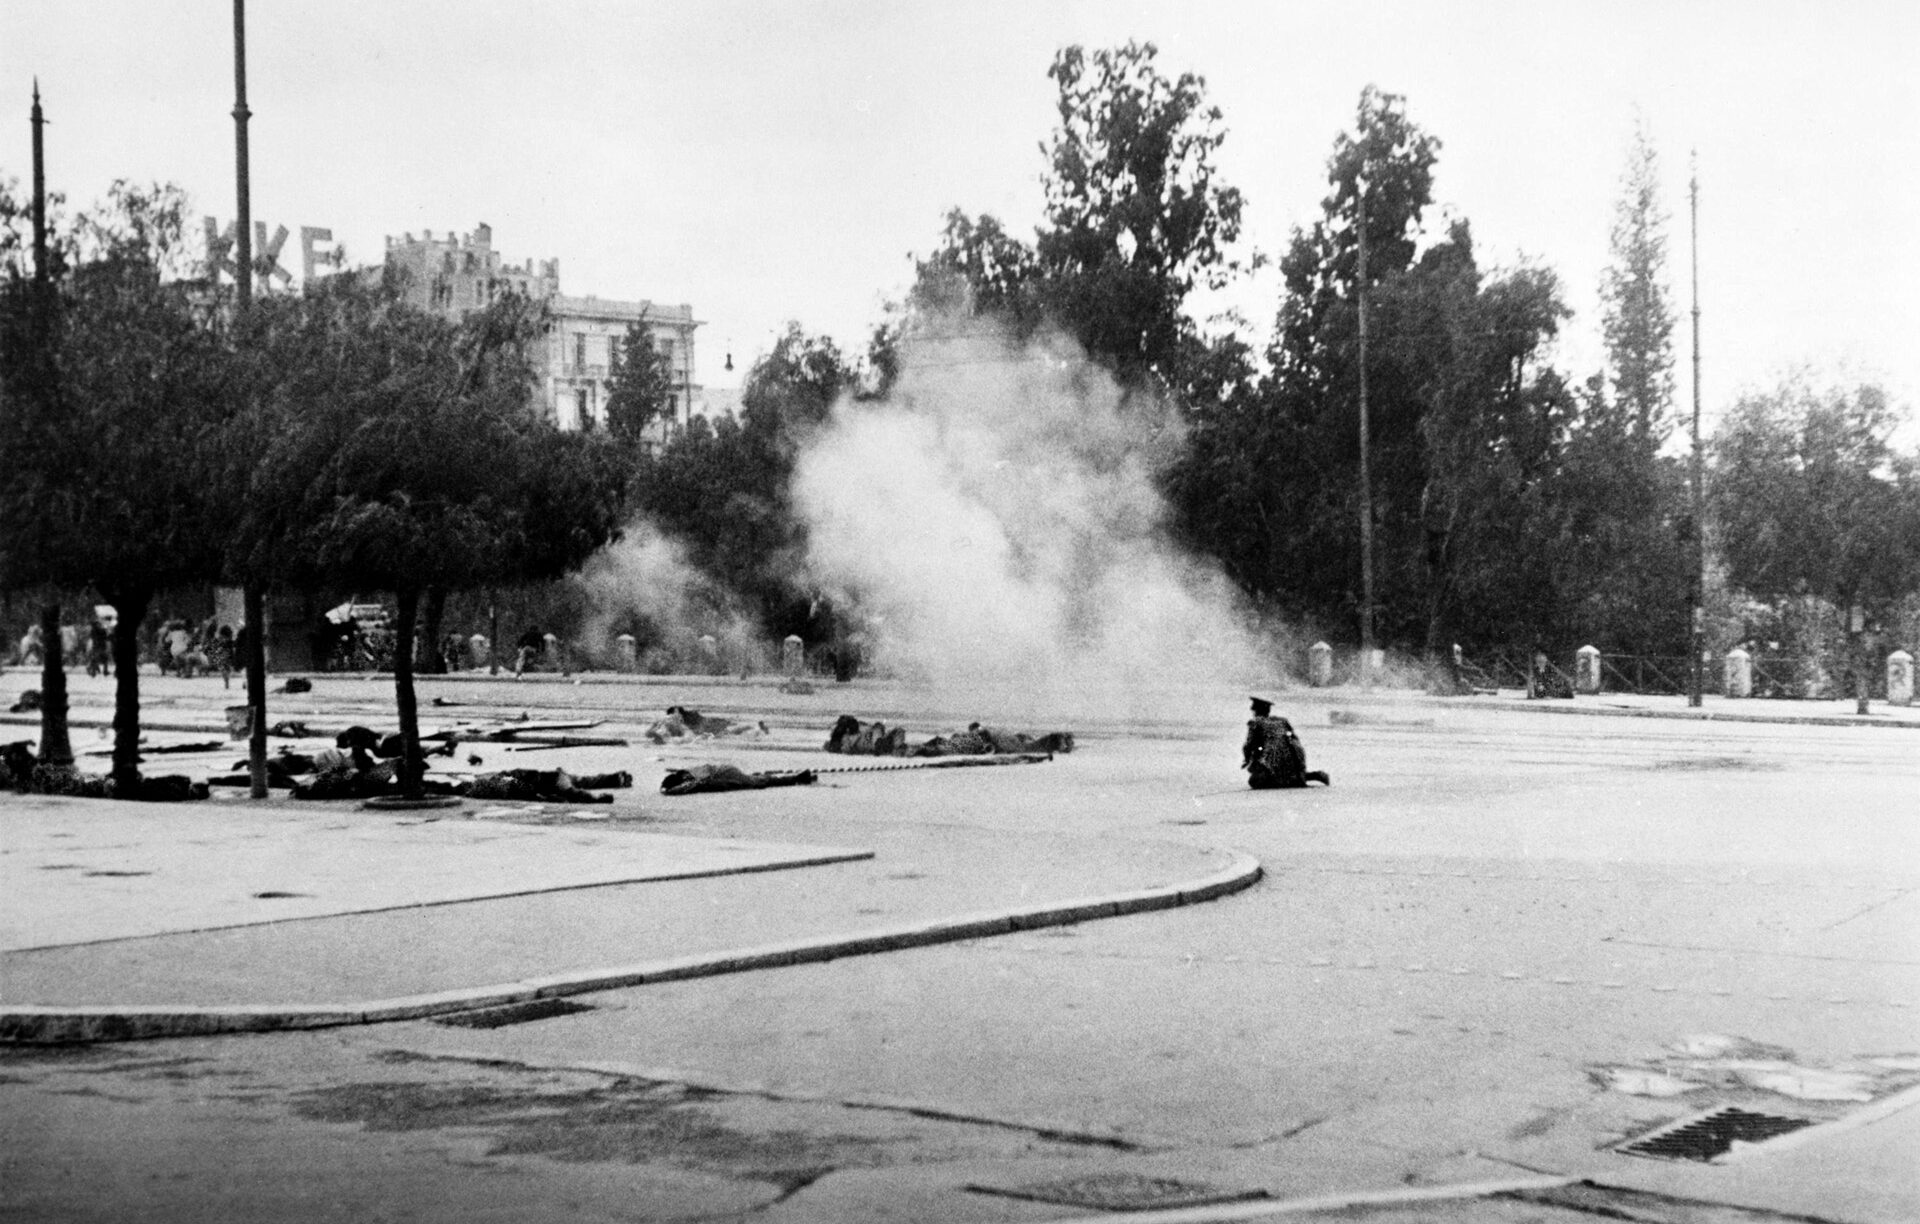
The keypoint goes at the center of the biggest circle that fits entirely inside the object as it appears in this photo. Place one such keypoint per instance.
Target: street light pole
(1696, 580)
(56, 744)
(252, 599)
(1366, 479)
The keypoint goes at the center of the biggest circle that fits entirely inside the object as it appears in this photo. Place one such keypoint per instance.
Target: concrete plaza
(1511, 938)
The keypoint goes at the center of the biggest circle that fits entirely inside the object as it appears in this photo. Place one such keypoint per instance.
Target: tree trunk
(433, 660)
(409, 710)
(131, 609)
(1862, 671)
(56, 747)
(253, 609)
(493, 637)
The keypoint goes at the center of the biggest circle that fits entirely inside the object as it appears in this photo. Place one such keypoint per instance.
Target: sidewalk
(118, 923)
(1839, 712)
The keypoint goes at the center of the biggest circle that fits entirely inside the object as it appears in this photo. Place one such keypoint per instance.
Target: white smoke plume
(644, 585)
(997, 521)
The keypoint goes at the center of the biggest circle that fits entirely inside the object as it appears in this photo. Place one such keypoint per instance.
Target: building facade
(455, 273)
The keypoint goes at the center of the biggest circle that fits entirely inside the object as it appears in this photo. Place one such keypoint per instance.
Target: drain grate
(1713, 1134)
(1121, 1192)
(513, 1013)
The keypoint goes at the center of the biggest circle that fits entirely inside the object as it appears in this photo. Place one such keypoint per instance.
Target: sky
(767, 162)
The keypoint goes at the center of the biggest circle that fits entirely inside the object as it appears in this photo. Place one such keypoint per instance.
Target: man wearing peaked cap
(1273, 755)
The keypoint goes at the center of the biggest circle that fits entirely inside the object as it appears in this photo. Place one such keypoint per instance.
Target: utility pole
(1366, 479)
(253, 603)
(56, 746)
(1697, 579)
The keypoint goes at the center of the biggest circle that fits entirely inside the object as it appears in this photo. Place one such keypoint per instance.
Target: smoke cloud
(645, 586)
(996, 520)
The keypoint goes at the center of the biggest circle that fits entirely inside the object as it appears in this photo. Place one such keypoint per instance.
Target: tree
(1136, 220)
(1136, 215)
(405, 455)
(1636, 318)
(1810, 498)
(1302, 447)
(723, 490)
(640, 386)
(120, 496)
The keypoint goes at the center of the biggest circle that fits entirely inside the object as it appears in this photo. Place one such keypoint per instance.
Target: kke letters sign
(317, 251)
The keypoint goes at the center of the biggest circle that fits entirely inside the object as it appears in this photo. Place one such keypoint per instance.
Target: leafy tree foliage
(1636, 316)
(400, 451)
(722, 488)
(1810, 498)
(1136, 220)
(114, 438)
(1468, 424)
(640, 386)
(1136, 216)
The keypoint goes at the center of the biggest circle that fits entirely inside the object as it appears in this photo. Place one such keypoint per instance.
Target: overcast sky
(775, 161)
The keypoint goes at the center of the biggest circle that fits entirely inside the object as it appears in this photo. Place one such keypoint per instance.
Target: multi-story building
(458, 273)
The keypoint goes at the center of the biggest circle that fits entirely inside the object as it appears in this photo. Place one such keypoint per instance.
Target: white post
(1739, 673)
(1900, 678)
(1586, 670)
(1319, 665)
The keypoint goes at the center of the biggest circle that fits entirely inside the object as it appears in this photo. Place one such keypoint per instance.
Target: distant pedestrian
(33, 650)
(99, 649)
(532, 644)
(220, 654)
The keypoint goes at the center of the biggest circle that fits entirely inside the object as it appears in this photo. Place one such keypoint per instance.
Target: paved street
(1503, 942)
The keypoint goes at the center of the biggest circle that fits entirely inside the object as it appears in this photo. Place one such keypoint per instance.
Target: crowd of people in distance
(179, 646)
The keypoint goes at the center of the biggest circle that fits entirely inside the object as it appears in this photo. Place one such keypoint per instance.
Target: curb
(54, 1025)
(1523, 706)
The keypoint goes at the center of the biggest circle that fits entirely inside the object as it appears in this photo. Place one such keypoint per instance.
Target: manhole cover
(513, 1013)
(1713, 1134)
(1122, 1192)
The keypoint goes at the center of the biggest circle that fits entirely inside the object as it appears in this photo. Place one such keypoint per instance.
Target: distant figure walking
(99, 650)
(1273, 755)
(533, 644)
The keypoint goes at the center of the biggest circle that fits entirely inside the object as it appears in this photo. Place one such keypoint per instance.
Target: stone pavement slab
(419, 913)
(75, 871)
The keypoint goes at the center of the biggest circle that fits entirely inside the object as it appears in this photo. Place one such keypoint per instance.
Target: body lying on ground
(544, 785)
(705, 778)
(683, 723)
(852, 737)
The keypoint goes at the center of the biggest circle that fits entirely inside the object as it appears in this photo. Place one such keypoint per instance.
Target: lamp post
(253, 603)
(1696, 579)
(1366, 478)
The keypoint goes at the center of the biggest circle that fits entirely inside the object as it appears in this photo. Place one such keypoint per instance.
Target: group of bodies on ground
(363, 764)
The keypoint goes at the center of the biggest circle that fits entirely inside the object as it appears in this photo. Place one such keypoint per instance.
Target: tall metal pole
(252, 598)
(40, 272)
(1366, 478)
(56, 745)
(1697, 580)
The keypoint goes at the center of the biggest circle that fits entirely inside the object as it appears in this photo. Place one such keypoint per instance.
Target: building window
(582, 417)
(579, 350)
